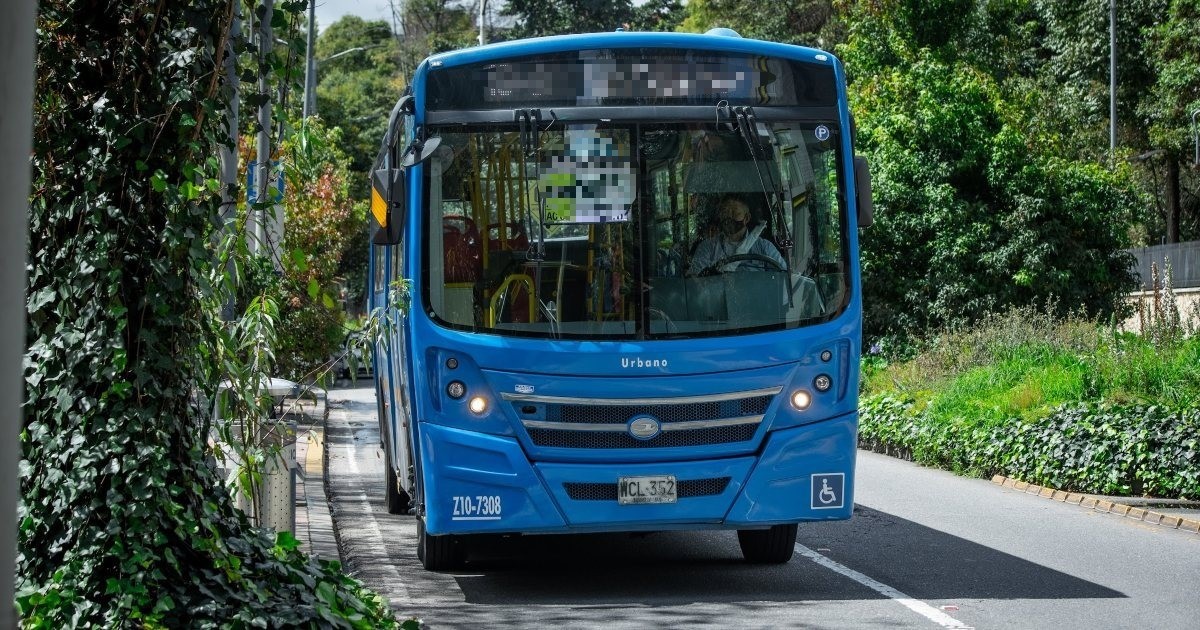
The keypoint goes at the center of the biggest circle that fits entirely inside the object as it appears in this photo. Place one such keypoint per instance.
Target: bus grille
(593, 423)
(555, 438)
(756, 405)
(587, 491)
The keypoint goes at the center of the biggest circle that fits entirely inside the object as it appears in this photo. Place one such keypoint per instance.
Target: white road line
(394, 581)
(915, 605)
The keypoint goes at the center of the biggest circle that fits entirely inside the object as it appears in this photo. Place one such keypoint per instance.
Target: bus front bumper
(479, 483)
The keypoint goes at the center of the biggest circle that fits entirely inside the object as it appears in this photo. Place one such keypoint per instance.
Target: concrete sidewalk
(314, 526)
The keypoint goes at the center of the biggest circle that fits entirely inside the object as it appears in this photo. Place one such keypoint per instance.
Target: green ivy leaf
(286, 541)
(299, 260)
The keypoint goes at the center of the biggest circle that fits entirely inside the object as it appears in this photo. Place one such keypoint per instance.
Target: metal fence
(1184, 259)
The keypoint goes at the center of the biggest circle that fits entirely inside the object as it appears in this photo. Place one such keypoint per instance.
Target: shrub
(1063, 402)
(1086, 447)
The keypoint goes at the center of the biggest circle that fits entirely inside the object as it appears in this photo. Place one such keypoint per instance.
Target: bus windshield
(618, 230)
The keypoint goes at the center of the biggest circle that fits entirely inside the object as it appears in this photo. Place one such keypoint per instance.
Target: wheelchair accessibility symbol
(828, 491)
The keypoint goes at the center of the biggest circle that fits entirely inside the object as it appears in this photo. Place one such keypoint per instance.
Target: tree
(433, 26)
(658, 15)
(122, 521)
(536, 18)
(356, 91)
(803, 22)
(972, 215)
(1149, 87)
(355, 94)
(1174, 52)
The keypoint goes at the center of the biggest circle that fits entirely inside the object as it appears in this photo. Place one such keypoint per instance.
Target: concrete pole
(310, 65)
(16, 140)
(1112, 82)
(266, 40)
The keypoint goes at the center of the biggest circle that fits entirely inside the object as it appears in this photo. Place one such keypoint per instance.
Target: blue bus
(634, 298)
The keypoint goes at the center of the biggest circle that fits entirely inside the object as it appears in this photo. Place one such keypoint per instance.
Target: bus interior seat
(461, 247)
(514, 234)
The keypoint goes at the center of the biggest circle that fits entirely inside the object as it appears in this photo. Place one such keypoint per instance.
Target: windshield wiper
(528, 124)
(746, 124)
(528, 121)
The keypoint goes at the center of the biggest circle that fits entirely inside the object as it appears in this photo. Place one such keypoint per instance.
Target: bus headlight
(801, 399)
(478, 405)
(456, 389)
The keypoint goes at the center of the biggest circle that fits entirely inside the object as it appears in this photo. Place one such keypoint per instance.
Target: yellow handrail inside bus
(501, 200)
(516, 277)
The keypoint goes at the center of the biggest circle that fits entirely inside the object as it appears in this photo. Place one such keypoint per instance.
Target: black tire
(397, 499)
(436, 553)
(768, 546)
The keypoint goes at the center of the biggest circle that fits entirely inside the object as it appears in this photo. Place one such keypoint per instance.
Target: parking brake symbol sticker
(828, 491)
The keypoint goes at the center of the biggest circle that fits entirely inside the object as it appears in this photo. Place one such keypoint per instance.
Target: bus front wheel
(774, 545)
(436, 553)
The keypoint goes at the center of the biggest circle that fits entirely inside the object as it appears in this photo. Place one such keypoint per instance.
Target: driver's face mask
(731, 225)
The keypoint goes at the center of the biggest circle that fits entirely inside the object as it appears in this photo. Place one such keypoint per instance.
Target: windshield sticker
(591, 181)
(821, 133)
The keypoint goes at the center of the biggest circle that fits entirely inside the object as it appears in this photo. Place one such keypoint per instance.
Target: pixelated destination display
(631, 77)
(591, 178)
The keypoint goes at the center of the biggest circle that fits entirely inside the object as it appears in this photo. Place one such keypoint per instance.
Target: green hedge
(1097, 448)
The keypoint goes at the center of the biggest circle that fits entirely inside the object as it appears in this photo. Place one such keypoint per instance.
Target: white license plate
(649, 489)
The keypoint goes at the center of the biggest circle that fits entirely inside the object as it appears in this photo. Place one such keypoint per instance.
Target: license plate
(649, 489)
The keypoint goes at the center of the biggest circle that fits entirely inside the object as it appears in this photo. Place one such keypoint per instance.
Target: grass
(1025, 363)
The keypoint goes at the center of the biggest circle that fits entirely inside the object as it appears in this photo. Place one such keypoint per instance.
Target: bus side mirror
(389, 203)
(862, 192)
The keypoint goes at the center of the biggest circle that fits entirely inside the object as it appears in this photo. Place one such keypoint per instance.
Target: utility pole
(482, 22)
(310, 65)
(1112, 82)
(266, 40)
(229, 154)
(1196, 138)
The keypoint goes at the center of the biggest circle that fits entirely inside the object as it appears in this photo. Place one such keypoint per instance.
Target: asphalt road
(925, 549)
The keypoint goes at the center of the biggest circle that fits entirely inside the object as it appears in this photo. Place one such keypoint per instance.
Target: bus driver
(734, 237)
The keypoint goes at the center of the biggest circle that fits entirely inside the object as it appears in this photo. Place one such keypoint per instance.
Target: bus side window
(378, 254)
(395, 260)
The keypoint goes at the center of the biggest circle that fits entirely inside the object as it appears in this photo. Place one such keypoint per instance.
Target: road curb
(1102, 504)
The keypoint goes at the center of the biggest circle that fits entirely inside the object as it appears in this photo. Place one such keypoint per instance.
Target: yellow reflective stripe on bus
(378, 207)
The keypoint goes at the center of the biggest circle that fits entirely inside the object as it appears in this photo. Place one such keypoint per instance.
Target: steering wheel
(715, 268)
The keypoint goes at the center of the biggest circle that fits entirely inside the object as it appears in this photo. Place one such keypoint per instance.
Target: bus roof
(586, 41)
